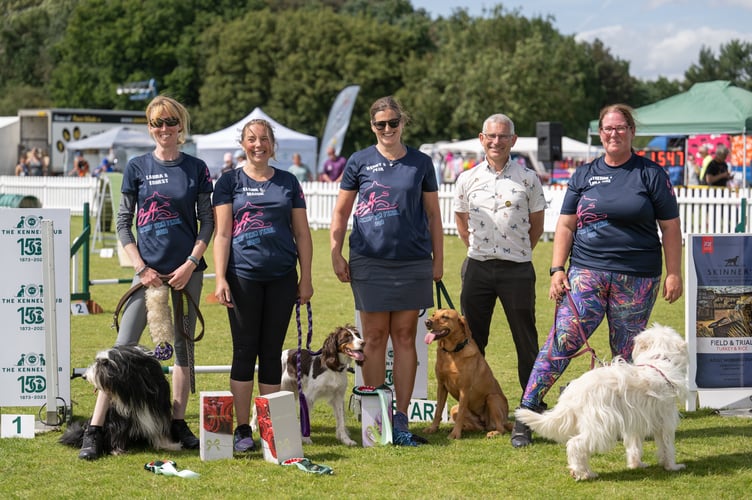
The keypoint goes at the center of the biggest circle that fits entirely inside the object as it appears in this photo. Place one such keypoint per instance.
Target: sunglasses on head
(170, 122)
(392, 124)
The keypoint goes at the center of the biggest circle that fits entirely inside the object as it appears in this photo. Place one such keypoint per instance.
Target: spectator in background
(80, 166)
(22, 167)
(227, 164)
(693, 171)
(299, 170)
(36, 163)
(104, 167)
(239, 158)
(333, 166)
(703, 158)
(717, 172)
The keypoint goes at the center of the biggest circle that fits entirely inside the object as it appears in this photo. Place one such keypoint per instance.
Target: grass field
(715, 449)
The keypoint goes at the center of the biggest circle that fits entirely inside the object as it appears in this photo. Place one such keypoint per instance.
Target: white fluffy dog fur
(628, 400)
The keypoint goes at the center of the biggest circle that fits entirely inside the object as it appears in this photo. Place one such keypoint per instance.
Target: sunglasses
(170, 122)
(392, 124)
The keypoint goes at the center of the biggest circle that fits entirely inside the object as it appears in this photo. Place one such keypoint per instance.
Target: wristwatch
(556, 269)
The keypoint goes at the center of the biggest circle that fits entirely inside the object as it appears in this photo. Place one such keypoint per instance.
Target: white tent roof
(116, 137)
(212, 147)
(570, 148)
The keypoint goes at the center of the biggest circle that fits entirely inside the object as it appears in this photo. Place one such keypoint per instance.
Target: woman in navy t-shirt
(396, 250)
(608, 229)
(169, 193)
(262, 234)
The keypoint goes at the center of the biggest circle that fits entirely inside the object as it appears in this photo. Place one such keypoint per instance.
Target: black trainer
(521, 435)
(180, 432)
(91, 448)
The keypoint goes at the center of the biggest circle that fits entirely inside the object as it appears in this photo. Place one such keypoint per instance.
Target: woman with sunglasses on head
(396, 250)
(262, 235)
(169, 192)
(608, 229)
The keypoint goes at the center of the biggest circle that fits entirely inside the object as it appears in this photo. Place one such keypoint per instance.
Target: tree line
(222, 58)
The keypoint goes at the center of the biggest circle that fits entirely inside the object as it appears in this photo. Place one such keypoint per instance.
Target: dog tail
(73, 435)
(556, 424)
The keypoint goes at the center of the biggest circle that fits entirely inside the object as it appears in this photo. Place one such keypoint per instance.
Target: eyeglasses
(502, 137)
(392, 124)
(621, 129)
(170, 122)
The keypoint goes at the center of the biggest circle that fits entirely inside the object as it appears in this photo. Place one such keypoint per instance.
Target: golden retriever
(462, 371)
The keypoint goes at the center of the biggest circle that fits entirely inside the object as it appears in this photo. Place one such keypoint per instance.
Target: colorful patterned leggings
(626, 301)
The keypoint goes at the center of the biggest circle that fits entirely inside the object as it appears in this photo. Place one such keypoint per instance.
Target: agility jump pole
(79, 372)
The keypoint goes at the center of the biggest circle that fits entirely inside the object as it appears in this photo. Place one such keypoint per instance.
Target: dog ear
(463, 325)
(330, 351)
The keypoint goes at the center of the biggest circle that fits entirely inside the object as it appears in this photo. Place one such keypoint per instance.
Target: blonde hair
(163, 104)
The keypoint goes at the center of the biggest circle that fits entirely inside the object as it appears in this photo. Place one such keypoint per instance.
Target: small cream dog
(627, 400)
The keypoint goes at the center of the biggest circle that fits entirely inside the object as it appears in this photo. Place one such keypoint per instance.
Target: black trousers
(513, 283)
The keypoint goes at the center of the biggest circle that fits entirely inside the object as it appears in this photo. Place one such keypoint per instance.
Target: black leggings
(258, 324)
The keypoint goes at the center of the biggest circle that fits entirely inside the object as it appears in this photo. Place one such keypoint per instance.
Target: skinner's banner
(722, 311)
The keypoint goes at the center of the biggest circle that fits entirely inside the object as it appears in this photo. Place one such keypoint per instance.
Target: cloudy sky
(657, 37)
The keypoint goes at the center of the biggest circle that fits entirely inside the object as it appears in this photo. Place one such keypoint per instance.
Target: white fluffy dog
(628, 400)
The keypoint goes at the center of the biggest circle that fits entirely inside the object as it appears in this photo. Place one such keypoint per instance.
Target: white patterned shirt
(499, 207)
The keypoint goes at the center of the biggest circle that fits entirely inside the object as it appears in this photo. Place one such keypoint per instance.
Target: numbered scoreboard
(24, 356)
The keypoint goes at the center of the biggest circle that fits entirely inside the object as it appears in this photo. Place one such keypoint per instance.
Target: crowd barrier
(701, 209)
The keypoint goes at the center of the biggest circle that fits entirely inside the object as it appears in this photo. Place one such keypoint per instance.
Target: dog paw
(637, 465)
(431, 430)
(307, 440)
(493, 434)
(348, 442)
(455, 435)
(582, 475)
(675, 467)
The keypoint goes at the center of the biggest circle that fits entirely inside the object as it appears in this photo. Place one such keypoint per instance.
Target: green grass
(714, 448)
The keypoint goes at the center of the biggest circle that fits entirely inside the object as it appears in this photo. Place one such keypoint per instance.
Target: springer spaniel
(324, 374)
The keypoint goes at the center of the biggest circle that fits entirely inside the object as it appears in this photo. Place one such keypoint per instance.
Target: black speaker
(549, 140)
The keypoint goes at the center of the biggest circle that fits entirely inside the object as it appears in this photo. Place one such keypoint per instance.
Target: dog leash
(441, 290)
(305, 421)
(586, 345)
(181, 317)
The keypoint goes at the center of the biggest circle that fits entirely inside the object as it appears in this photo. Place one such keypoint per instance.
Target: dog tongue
(358, 356)
(430, 336)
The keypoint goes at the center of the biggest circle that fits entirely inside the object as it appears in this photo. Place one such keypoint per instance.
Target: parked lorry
(51, 129)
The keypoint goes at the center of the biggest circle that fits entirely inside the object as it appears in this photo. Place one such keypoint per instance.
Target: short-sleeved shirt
(263, 245)
(617, 209)
(389, 220)
(716, 167)
(166, 194)
(499, 205)
(333, 168)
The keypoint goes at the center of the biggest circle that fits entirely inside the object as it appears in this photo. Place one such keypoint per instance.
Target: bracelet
(555, 270)
(192, 259)
(141, 271)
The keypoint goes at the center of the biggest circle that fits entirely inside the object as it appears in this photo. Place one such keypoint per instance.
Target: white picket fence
(702, 210)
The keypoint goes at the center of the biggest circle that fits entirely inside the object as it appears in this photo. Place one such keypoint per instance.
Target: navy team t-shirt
(263, 244)
(617, 209)
(389, 220)
(166, 194)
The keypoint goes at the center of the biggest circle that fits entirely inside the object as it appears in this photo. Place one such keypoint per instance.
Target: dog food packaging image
(279, 427)
(376, 415)
(216, 417)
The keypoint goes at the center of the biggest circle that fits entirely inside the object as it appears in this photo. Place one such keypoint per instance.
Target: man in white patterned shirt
(499, 207)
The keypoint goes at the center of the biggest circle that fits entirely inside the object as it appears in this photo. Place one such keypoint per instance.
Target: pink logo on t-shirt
(247, 219)
(375, 199)
(155, 208)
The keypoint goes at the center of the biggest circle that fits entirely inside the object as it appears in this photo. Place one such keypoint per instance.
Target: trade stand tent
(528, 145)
(212, 147)
(126, 142)
(707, 108)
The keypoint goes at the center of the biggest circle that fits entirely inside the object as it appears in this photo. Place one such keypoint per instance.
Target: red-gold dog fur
(462, 371)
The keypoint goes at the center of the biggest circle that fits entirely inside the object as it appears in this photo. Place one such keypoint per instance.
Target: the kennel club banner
(23, 357)
(722, 310)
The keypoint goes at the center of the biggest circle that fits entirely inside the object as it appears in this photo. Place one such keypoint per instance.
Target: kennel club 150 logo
(28, 229)
(30, 301)
(31, 380)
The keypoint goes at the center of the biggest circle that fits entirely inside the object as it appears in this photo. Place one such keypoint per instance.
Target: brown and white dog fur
(621, 400)
(324, 375)
(462, 371)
